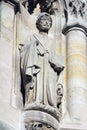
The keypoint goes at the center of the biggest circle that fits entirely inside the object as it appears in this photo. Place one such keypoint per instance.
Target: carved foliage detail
(77, 7)
(38, 126)
(45, 5)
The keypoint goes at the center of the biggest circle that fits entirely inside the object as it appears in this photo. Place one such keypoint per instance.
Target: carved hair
(44, 22)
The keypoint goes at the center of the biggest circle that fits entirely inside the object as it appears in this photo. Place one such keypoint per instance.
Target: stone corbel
(43, 119)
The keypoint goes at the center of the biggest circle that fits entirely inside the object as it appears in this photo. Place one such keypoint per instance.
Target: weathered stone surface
(54, 93)
(4, 126)
(7, 113)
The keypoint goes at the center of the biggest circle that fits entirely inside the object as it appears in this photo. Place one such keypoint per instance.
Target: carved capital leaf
(76, 14)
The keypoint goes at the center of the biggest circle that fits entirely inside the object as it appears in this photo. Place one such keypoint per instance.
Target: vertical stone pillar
(8, 115)
(76, 57)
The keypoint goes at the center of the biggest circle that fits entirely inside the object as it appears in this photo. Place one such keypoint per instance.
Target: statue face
(44, 22)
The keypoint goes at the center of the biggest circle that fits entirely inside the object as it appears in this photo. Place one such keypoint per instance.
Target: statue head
(44, 22)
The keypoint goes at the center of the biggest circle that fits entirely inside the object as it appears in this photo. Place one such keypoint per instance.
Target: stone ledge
(39, 116)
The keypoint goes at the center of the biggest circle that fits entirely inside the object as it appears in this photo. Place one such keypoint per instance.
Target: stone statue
(40, 67)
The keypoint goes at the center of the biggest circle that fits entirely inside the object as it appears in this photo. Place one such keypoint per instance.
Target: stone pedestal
(41, 117)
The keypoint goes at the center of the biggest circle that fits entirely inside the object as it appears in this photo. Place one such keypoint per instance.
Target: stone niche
(43, 64)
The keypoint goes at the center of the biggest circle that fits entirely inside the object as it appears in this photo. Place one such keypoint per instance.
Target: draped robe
(38, 63)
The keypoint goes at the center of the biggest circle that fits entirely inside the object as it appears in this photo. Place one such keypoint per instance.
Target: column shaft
(76, 53)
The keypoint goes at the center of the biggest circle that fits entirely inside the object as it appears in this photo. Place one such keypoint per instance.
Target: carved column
(76, 59)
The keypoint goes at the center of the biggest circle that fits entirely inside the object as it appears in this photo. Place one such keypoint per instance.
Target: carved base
(45, 115)
(42, 117)
(44, 108)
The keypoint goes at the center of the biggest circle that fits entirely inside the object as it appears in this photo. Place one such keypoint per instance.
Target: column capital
(77, 26)
(75, 15)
